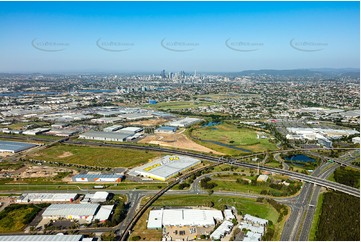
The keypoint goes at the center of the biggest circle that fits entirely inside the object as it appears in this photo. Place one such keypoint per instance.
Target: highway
(299, 223)
(302, 213)
(303, 177)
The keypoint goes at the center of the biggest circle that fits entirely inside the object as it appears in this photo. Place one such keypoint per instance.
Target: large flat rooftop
(10, 146)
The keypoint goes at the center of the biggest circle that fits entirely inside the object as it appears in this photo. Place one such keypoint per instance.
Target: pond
(210, 124)
(300, 158)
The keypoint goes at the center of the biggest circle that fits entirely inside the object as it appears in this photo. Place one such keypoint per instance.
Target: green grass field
(15, 217)
(230, 184)
(230, 134)
(95, 156)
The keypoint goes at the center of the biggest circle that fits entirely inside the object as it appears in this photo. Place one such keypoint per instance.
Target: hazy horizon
(135, 37)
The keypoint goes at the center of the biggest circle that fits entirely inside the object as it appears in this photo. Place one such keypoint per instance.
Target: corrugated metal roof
(93, 176)
(165, 167)
(15, 146)
(109, 135)
(104, 212)
(41, 237)
(71, 209)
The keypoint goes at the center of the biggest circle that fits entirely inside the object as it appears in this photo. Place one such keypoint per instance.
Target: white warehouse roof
(71, 209)
(165, 167)
(183, 217)
(104, 212)
(46, 197)
(254, 219)
(225, 227)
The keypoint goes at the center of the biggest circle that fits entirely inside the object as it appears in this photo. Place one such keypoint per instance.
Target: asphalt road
(299, 223)
(300, 176)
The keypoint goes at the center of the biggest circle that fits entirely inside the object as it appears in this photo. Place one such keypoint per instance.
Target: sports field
(230, 139)
(95, 156)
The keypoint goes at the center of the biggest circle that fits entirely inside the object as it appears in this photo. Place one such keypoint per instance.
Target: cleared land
(231, 136)
(94, 156)
(177, 140)
(148, 123)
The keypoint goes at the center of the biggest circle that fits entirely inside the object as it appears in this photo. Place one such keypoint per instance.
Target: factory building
(130, 130)
(112, 128)
(62, 132)
(104, 213)
(165, 167)
(183, 217)
(356, 140)
(255, 227)
(98, 178)
(82, 212)
(97, 197)
(105, 136)
(222, 230)
(14, 147)
(186, 122)
(136, 116)
(228, 214)
(166, 129)
(325, 142)
(36, 131)
(55, 237)
(47, 197)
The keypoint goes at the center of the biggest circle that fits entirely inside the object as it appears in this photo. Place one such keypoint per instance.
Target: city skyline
(152, 36)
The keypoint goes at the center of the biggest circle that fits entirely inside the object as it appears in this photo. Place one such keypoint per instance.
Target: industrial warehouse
(165, 167)
(98, 178)
(183, 217)
(104, 136)
(14, 147)
(84, 213)
(186, 122)
(47, 197)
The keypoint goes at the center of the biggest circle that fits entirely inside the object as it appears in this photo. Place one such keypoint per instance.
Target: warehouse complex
(165, 167)
(254, 226)
(98, 178)
(47, 197)
(186, 122)
(82, 212)
(183, 217)
(104, 136)
(14, 147)
(97, 197)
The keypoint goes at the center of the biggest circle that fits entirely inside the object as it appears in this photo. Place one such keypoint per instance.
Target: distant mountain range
(324, 72)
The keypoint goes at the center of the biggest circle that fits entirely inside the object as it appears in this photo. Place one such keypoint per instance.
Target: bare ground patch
(177, 140)
(65, 154)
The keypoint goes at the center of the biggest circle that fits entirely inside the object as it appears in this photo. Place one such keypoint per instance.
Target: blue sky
(202, 36)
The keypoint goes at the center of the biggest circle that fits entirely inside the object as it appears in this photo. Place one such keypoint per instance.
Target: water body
(210, 124)
(300, 158)
(226, 145)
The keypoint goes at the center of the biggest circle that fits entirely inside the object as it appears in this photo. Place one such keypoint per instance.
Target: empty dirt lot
(176, 140)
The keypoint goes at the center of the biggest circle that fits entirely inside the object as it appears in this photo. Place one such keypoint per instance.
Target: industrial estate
(154, 171)
(177, 155)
